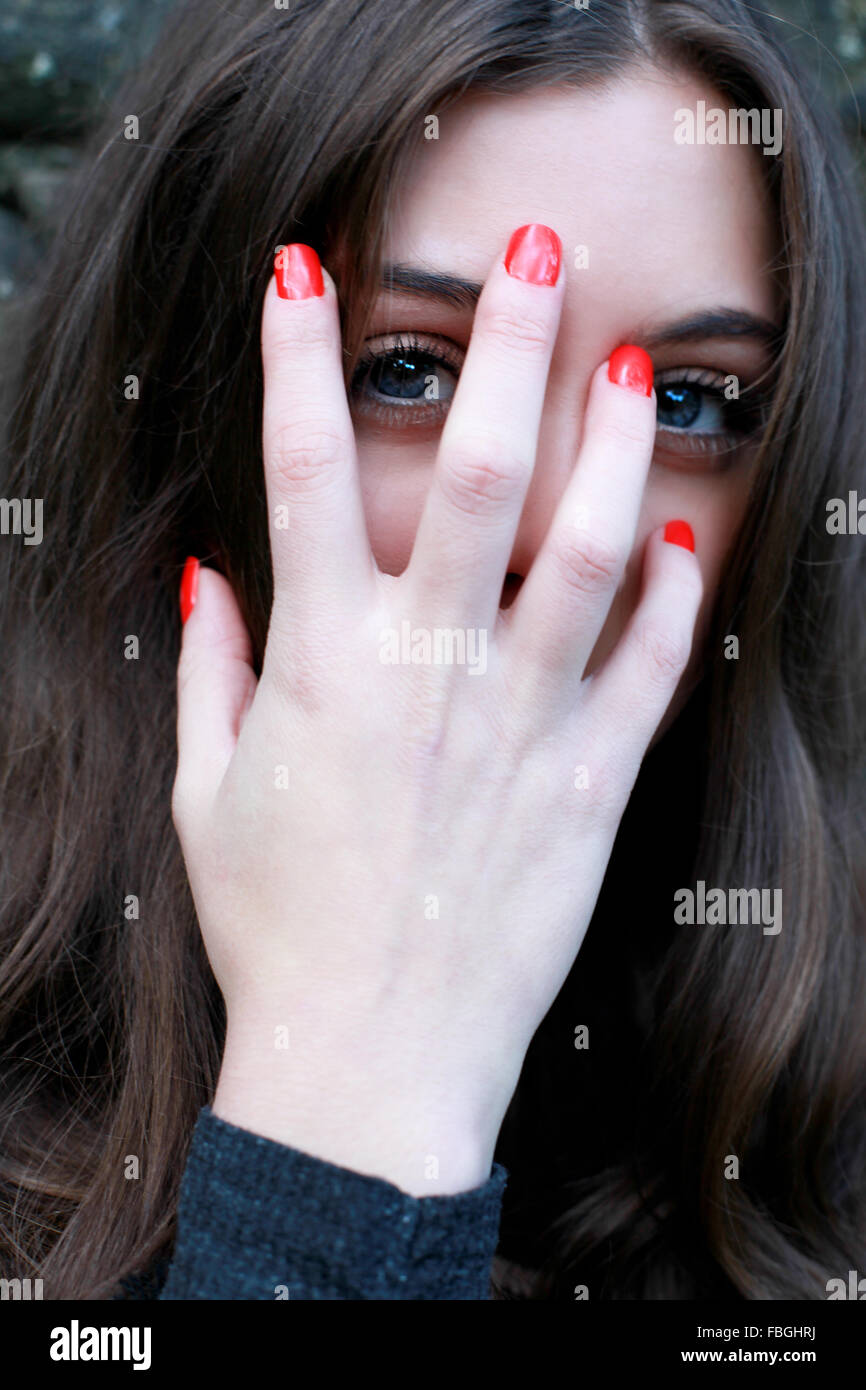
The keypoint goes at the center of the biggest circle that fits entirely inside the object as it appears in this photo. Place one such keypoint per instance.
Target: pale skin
(409, 785)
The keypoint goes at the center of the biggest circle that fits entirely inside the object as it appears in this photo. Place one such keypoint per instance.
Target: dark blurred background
(60, 59)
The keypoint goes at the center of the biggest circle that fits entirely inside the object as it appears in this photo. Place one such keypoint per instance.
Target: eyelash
(441, 352)
(744, 416)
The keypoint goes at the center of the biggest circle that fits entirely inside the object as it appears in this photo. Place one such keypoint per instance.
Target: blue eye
(680, 406)
(407, 380)
(406, 375)
(697, 401)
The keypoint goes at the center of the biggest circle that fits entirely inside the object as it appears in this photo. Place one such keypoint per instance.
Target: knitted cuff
(260, 1220)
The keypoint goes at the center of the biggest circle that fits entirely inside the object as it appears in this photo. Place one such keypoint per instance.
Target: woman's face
(655, 235)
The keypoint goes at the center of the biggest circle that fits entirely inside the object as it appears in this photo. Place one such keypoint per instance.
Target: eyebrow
(432, 284)
(710, 323)
(715, 323)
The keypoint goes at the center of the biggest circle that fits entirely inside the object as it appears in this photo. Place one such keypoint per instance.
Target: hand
(393, 861)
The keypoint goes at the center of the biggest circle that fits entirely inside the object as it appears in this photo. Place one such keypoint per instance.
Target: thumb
(215, 683)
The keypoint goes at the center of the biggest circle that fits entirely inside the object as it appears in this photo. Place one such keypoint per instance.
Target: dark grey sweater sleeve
(260, 1220)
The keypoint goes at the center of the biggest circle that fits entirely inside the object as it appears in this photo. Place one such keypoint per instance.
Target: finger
(631, 691)
(319, 546)
(215, 687)
(565, 599)
(487, 451)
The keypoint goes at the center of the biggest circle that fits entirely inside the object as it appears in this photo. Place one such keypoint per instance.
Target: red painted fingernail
(534, 254)
(299, 272)
(632, 367)
(188, 587)
(680, 533)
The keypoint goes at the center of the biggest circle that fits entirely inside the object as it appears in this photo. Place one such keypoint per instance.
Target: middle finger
(487, 451)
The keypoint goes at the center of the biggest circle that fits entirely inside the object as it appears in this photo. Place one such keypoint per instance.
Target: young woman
(495, 420)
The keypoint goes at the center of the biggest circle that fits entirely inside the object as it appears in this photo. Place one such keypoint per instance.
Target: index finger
(319, 545)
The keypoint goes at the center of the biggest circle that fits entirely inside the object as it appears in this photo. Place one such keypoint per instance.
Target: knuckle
(482, 471)
(626, 432)
(664, 653)
(305, 331)
(295, 671)
(505, 326)
(586, 563)
(305, 455)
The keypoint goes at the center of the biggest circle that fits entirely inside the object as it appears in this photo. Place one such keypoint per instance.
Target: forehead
(665, 225)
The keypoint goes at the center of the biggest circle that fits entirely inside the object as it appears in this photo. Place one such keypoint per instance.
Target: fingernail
(188, 587)
(680, 533)
(534, 254)
(632, 367)
(299, 272)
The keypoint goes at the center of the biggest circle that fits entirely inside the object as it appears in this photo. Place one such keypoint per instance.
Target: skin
(577, 161)
(408, 783)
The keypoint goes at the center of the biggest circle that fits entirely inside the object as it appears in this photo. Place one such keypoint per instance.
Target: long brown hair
(134, 412)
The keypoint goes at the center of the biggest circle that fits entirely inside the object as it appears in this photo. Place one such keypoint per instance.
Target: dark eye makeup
(408, 379)
(400, 375)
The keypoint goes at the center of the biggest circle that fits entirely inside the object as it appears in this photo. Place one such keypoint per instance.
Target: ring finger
(565, 599)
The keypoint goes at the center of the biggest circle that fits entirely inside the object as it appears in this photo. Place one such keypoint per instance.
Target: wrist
(357, 1103)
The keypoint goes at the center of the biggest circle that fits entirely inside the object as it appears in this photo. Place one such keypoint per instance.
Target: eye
(698, 413)
(406, 379)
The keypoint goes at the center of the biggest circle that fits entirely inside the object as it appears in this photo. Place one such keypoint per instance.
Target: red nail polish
(299, 272)
(534, 254)
(632, 367)
(680, 533)
(188, 587)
